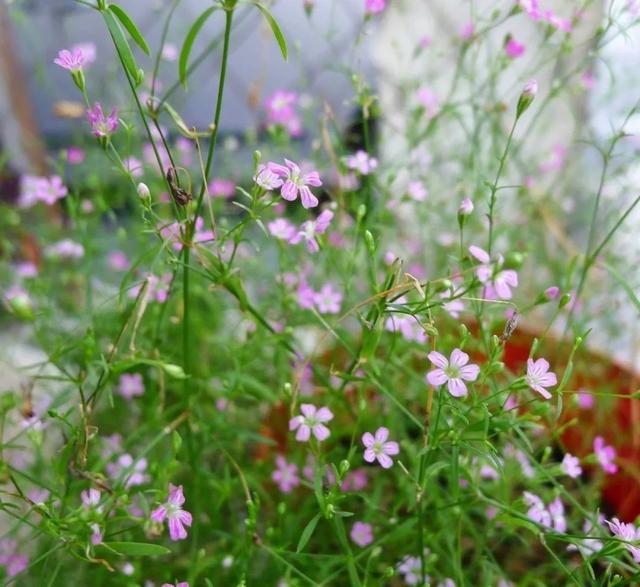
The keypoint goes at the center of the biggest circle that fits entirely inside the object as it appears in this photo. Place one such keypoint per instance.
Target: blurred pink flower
(222, 188)
(627, 533)
(282, 229)
(327, 300)
(286, 475)
(65, 249)
(571, 466)
(131, 385)
(513, 49)
(429, 101)
(310, 229)
(75, 155)
(118, 261)
(361, 162)
(606, 455)
(374, 6)
(361, 534)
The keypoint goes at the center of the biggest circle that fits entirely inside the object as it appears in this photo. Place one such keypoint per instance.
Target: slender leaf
(275, 27)
(188, 43)
(633, 298)
(137, 548)
(128, 24)
(122, 45)
(307, 533)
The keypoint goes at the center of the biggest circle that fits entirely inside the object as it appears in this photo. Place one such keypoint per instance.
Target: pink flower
(417, 191)
(281, 110)
(118, 261)
(47, 190)
(286, 475)
(498, 282)
(327, 300)
(312, 420)
(13, 562)
(467, 31)
(585, 400)
(606, 455)
(88, 51)
(429, 101)
(91, 498)
(410, 567)
(539, 377)
(310, 229)
(379, 448)
(374, 6)
(131, 472)
(556, 160)
(571, 466)
(453, 372)
(282, 229)
(96, 534)
(101, 125)
(180, 584)
(556, 511)
(222, 188)
(627, 533)
(296, 182)
(134, 166)
(531, 8)
(355, 480)
(172, 511)
(70, 60)
(466, 207)
(131, 385)
(407, 326)
(513, 49)
(362, 162)
(65, 249)
(267, 177)
(551, 293)
(537, 511)
(362, 534)
(75, 155)
(531, 88)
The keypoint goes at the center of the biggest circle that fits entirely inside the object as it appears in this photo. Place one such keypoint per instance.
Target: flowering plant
(323, 363)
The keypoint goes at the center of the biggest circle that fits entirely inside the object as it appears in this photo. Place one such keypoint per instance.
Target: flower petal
(382, 434)
(457, 388)
(437, 377)
(458, 358)
(438, 359)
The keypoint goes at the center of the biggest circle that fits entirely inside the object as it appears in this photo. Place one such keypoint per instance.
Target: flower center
(452, 372)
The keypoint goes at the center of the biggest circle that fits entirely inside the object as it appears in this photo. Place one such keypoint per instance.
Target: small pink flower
(267, 178)
(296, 182)
(513, 49)
(585, 400)
(282, 229)
(90, 498)
(13, 562)
(498, 282)
(627, 533)
(374, 6)
(101, 125)
(417, 191)
(551, 293)
(131, 385)
(571, 466)
(177, 518)
(605, 454)
(539, 377)
(466, 207)
(362, 534)
(286, 475)
(379, 448)
(75, 155)
(453, 372)
(222, 188)
(429, 101)
(467, 31)
(531, 88)
(310, 229)
(355, 480)
(88, 50)
(96, 534)
(311, 420)
(180, 584)
(65, 249)
(327, 300)
(70, 60)
(556, 511)
(537, 511)
(281, 109)
(362, 162)
(118, 261)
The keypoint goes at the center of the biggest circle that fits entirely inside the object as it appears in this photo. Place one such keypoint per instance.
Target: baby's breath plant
(318, 355)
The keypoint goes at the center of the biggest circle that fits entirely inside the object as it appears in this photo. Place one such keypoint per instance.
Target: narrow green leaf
(275, 27)
(121, 43)
(624, 284)
(307, 533)
(137, 548)
(188, 42)
(128, 24)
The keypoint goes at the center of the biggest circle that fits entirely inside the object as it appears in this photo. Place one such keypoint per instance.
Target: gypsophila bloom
(101, 125)
(498, 282)
(327, 300)
(177, 518)
(222, 188)
(416, 191)
(556, 510)
(513, 49)
(281, 110)
(310, 229)
(311, 420)
(410, 567)
(361, 162)
(551, 293)
(606, 455)
(571, 466)
(282, 229)
(531, 88)
(454, 372)
(537, 511)
(47, 190)
(180, 584)
(286, 475)
(627, 533)
(126, 469)
(65, 249)
(466, 207)
(90, 498)
(379, 448)
(10, 559)
(295, 182)
(374, 6)
(70, 60)
(539, 377)
(362, 534)
(88, 50)
(131, 385)
(267, 178)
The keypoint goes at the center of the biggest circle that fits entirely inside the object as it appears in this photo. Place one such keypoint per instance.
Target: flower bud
(528, 94)
(466, 207)
(143, 192)
(551, 293)
(308, 6)
(564, 300)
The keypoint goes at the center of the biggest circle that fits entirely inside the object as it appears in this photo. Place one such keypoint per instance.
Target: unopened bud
(528, 94)
(551, 293)
(564, 300)
(143, 192)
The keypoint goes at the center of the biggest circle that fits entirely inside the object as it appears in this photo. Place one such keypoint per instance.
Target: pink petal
(307, 198)
(457, 388)
(309, 410)
(159, 514)
(369, 455)
(321, 432)
(304, 433)
(469, 372)
(480, 254)
(542, 391)
(289, 191)
(176, 529)
(391, 448)
(458, 358)
(324, 415)
(382, 434)
(438, 359)
(368, 440)
(437, 377)
(185, 517)
(385, 461)
(295, 422)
